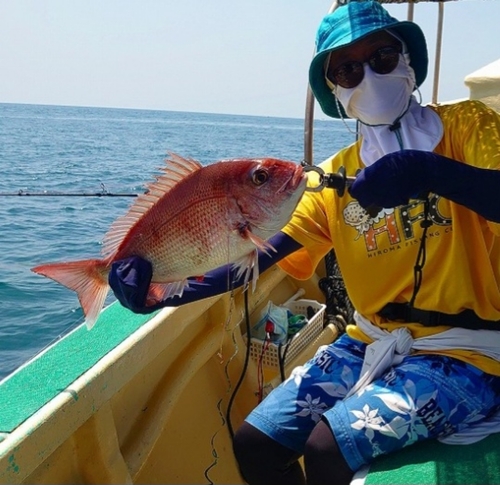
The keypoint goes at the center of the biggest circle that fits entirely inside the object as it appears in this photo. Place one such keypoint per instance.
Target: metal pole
(437, 61)
(411, 8)
(309, 115)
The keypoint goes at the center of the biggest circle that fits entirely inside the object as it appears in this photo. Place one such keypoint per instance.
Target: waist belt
(428, 318)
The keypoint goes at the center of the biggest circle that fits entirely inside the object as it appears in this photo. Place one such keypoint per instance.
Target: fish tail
(89, 278)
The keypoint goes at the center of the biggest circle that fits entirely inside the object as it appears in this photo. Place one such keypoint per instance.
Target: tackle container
(269, 353)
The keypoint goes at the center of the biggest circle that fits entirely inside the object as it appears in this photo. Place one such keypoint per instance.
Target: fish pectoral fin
(161, 291)
(260, 243)
(246, 265)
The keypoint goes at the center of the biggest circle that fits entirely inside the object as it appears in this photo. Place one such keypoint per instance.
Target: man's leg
(274, 435)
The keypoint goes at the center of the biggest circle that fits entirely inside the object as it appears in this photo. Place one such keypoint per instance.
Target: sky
(212, 56)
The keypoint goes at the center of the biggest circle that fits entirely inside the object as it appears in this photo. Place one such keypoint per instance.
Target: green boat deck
(437, 463)
(23, 393)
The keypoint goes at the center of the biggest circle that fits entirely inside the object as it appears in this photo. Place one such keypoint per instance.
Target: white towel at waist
(389, 348)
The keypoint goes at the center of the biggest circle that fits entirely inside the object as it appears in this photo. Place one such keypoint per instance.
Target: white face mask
(380, 99)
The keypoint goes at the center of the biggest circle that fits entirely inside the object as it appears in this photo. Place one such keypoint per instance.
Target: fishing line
(229, 388)
(245, 366)
(260, 370)
(238, 384)
(212, 444)
(282, 358)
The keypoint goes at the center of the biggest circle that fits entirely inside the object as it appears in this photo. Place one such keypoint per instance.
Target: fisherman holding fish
(423, 358)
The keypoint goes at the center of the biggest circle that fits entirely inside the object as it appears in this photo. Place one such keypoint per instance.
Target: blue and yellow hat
(350, 23)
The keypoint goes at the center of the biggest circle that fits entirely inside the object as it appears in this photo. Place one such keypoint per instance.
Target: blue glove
(130, 278)
(408, 174)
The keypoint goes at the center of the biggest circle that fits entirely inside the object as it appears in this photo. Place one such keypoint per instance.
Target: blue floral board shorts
(423, 397)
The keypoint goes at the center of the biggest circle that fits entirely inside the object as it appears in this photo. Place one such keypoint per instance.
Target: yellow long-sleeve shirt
(377, 255)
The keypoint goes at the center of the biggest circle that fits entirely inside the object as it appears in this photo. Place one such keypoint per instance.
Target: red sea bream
(191, 220)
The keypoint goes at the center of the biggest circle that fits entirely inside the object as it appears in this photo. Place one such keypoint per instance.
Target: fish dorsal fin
(176, 169)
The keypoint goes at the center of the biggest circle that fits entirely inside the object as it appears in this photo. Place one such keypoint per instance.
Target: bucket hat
(350, 23)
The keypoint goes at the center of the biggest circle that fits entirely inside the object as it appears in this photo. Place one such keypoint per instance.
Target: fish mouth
(297, 178)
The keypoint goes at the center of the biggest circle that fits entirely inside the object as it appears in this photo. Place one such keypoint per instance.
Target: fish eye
(260, 176)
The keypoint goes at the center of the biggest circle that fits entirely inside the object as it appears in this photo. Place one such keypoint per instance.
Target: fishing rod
(64, 194)
(47, 193)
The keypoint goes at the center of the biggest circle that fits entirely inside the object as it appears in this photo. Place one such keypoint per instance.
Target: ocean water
(90, 150)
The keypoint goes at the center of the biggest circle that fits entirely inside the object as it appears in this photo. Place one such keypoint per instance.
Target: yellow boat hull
(153, 408)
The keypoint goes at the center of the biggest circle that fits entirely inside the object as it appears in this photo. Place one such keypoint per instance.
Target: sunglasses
(350, 74)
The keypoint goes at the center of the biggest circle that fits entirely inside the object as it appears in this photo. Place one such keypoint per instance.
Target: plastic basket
(296, 344)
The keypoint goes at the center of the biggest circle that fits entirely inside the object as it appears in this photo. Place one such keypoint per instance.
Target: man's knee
(244, 442)
(262, 460)
(321, 442)
(323, 459)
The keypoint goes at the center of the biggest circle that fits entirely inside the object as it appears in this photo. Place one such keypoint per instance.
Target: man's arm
(397, 177)
(130, 278)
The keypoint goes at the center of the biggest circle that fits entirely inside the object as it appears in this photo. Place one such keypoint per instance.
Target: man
(423, 272)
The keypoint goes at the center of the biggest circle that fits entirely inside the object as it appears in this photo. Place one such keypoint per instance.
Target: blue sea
(59, 149)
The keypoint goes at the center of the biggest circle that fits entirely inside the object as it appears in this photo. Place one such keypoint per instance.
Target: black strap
(407, 314)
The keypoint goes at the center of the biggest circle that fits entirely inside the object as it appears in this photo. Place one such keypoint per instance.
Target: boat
(156, 398)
